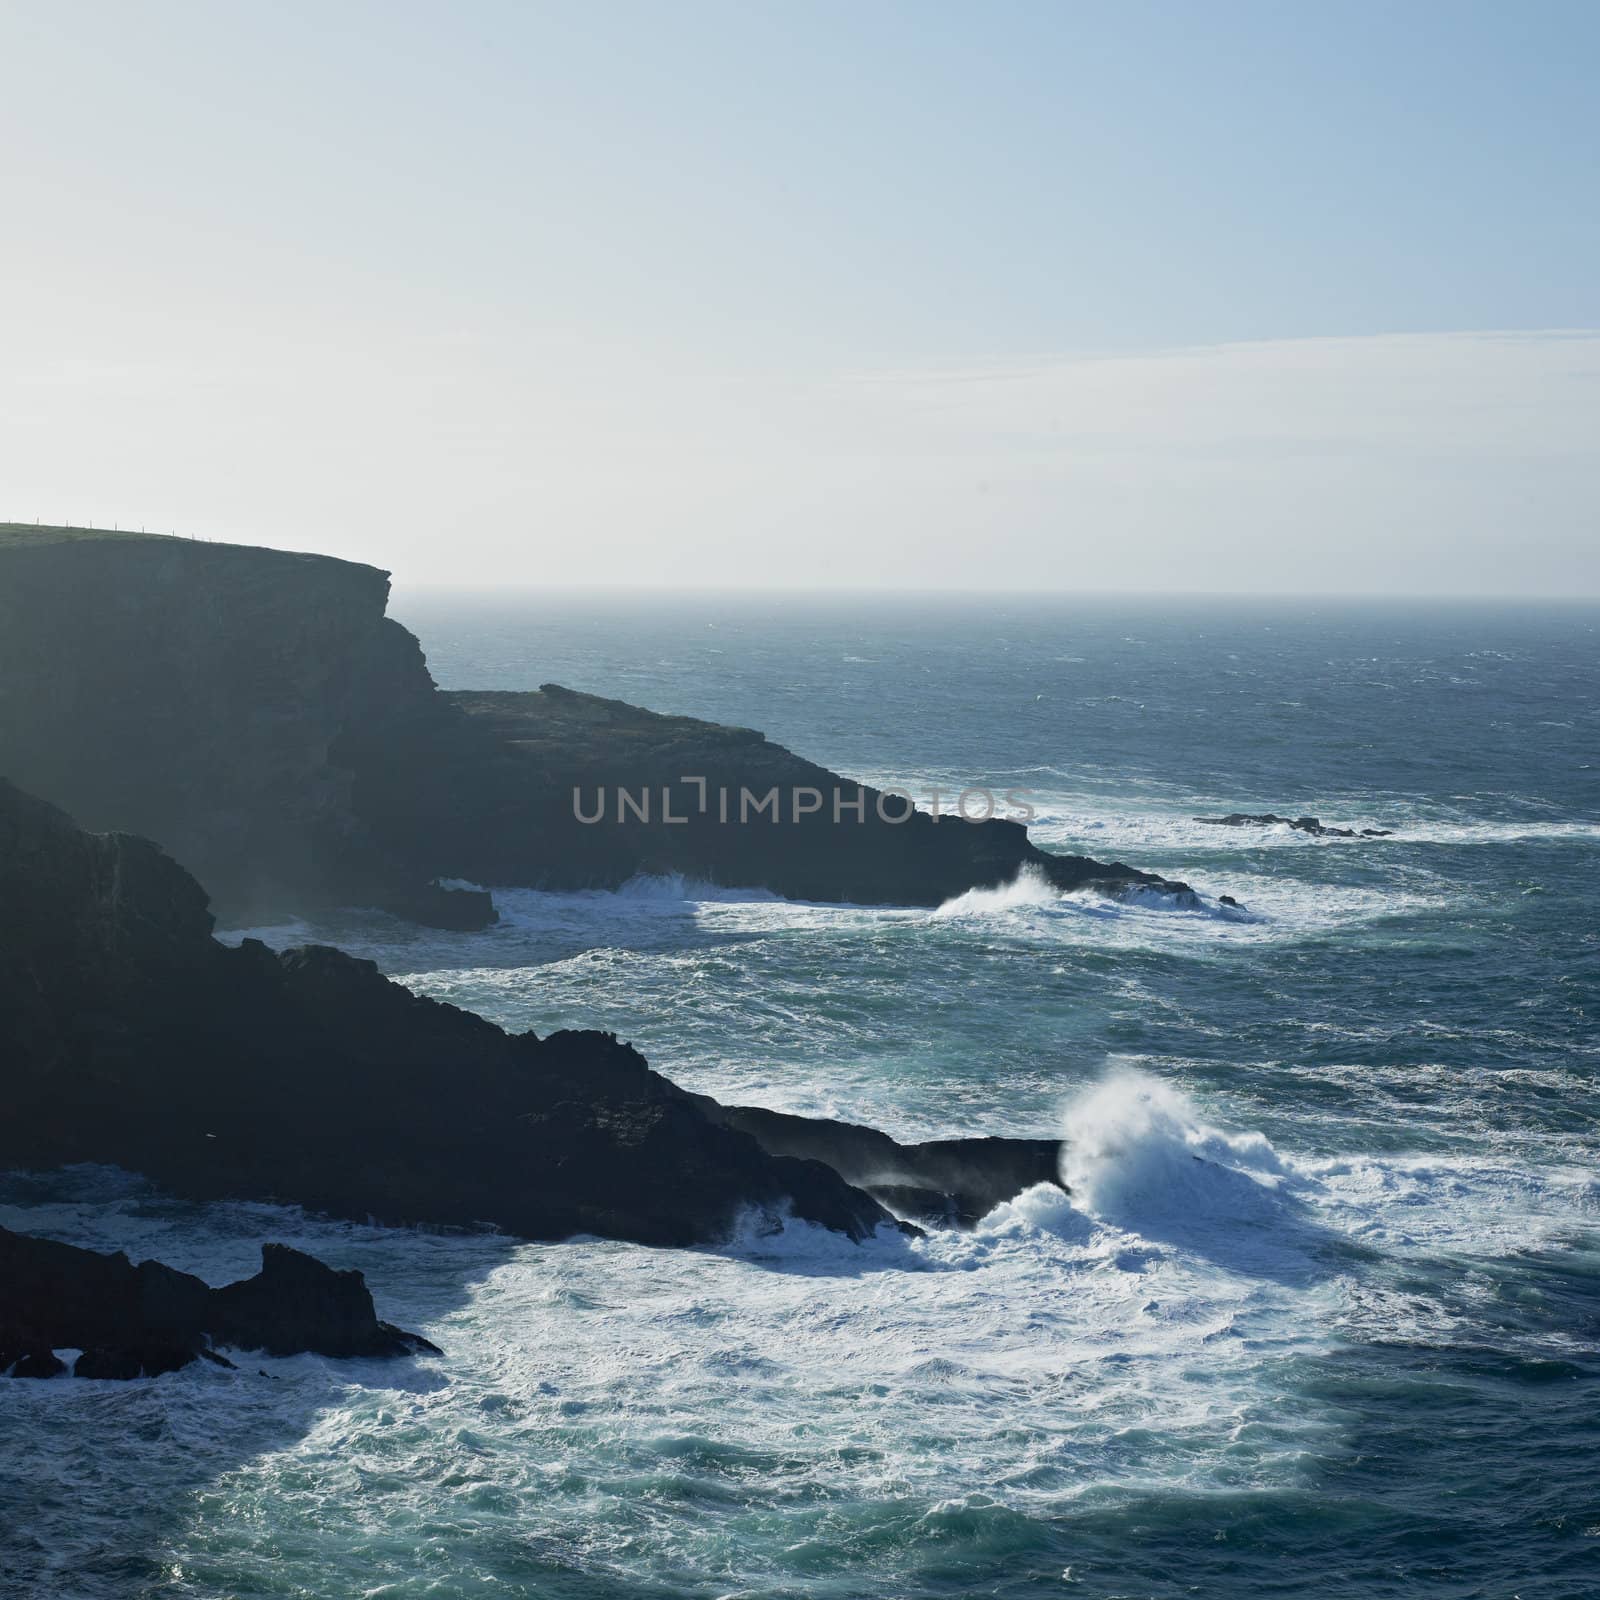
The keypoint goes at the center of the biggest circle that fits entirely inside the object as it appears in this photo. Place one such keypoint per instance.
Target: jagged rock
(297, 1303)
(256, 713)
(129, 1036)
(1311, 825)
(39, 1362)
(133, 1361)
(940, 1183)
(929, 1207)
(141, 1321)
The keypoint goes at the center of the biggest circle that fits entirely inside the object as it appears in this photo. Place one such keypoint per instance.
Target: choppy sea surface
(1321, 1316)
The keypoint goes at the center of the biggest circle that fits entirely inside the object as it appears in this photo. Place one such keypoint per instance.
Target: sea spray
(1029, 888)
(1137, 1154)
(1031, 892)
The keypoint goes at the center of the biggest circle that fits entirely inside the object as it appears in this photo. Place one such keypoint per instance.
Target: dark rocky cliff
(130, 1036)
(256, 713)
(196, 693)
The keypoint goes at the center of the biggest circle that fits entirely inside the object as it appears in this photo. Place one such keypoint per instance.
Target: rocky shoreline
(133, 1038)
(257, 715)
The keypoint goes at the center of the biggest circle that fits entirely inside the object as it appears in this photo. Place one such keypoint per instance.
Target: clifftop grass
(213, 552)
(17, 534)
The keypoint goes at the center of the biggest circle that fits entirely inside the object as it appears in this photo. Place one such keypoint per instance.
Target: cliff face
(196, 693)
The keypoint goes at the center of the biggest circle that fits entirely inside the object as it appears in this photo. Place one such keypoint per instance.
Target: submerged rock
(1311, 825)
(141, 1321)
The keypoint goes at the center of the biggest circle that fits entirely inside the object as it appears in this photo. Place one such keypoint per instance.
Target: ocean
(1321, 1316)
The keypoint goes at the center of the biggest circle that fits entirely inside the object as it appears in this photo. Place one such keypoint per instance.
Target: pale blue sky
(1123, 294)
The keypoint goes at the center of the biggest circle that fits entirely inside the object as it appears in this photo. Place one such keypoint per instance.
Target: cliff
(195, 693)
(129, 1036)
(256, 713)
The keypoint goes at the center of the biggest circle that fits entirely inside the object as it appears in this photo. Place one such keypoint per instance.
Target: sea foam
(1137, 1152)
(1030, 888)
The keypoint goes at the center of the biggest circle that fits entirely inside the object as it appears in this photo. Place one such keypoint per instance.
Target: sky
(1213, 296)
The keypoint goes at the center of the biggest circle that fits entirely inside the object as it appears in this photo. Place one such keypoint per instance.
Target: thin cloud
(1458, 462)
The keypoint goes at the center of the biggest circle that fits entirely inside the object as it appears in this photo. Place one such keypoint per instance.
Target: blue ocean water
(1322, 1316)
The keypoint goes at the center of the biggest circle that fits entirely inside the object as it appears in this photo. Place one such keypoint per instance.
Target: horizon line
(490, 588)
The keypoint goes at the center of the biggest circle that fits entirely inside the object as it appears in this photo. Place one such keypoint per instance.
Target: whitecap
(1136, 1152)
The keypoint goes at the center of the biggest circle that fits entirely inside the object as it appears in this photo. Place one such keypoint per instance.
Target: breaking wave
(1029, 888)
(1137, 1152)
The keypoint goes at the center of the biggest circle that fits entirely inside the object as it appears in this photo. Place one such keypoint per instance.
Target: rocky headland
(257, 714)
(561, 790)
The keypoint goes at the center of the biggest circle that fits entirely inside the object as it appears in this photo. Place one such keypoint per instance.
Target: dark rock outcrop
(515, 781)
(125, 1361)
(256, 713)
(1311, 825)
(31, 1361)
(140, 1321)
(942, 1182)
(129, 1036)
(297, 1303)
